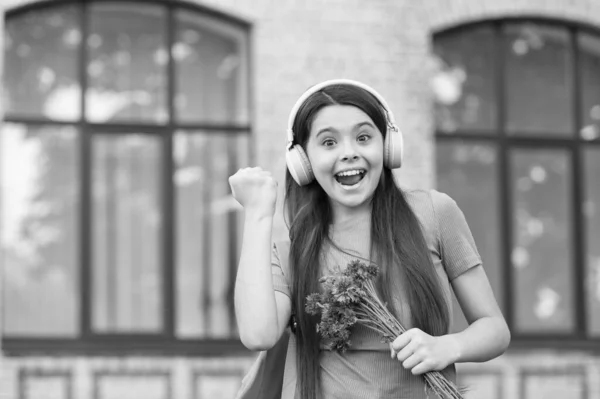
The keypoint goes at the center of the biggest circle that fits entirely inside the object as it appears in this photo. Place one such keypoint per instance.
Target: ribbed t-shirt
(366, 370)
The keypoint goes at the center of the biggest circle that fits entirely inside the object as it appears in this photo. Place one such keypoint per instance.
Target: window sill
(560, 344)
(161, 346)
(123, 346)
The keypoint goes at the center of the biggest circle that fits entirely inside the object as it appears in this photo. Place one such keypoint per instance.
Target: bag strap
(283, 250)
(290, 377)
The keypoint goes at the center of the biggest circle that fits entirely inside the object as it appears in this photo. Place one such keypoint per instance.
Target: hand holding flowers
(349, 297)
(421, 352)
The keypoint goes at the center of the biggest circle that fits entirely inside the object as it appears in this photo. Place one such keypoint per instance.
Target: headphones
(296, 158)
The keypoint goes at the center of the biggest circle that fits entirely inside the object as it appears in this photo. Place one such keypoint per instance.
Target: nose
(349, 152)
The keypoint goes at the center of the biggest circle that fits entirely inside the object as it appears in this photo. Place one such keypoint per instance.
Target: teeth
(349, 173)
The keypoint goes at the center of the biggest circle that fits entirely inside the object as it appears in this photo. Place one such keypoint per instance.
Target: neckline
(351, 223)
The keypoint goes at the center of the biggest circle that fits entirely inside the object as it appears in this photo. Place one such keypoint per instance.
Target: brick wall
(297, 43)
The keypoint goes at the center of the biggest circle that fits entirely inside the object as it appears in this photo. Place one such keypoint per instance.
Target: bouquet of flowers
(349, 297)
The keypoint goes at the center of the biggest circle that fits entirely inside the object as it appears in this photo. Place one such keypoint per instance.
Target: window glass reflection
(211, 64)
(463, 84)
(127, 68)
(40, 67)
(126, 233)
(538, 80)
(40, 231)
(591, 212)
(207, 220)
(127, 73)
(541, 249)
(589, 47)
(467, 173)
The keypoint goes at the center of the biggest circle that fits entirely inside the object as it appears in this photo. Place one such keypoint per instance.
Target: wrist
(258, 216)
(454, 348)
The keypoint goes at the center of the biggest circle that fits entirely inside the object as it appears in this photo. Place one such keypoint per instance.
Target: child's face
(345, 149)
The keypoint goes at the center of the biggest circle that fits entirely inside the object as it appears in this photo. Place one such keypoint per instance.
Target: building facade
(122, 121)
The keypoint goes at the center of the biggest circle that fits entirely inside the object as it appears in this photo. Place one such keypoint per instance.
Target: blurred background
(122, 121)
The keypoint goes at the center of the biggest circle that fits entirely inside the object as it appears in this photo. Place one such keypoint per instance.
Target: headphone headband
(319, 86)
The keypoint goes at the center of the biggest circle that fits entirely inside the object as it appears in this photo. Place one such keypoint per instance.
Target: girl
(342, 204)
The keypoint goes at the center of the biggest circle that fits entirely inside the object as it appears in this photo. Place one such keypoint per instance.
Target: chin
(353, 203)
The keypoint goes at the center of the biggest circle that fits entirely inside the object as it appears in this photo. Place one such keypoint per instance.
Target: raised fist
(255, 189)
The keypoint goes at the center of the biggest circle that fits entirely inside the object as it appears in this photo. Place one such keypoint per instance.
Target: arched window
(517, 109)
(122, 122)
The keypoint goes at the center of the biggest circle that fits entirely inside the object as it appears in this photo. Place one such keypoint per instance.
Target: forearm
(481, 341)
(255, 305)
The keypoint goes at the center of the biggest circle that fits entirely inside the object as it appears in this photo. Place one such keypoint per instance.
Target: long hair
(396, 237)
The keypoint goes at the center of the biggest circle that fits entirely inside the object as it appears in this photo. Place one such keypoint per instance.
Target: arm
(261, 313)
(486, 337)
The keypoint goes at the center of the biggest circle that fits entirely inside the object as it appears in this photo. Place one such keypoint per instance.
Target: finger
(236, 200)
(411, 362)
(403, 340)
(421, 368)
(407, 351)
(400, 342)
(231, 181)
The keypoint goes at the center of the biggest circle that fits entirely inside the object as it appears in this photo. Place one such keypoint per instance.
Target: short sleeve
(457, 246)
(280, 283)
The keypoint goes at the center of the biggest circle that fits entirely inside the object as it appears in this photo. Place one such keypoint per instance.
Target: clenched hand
(256, 190)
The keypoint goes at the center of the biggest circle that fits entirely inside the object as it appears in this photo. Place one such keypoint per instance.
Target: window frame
(505, 141)
(165, 342)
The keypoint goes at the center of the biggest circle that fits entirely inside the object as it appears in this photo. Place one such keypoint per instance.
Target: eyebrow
(357, 126)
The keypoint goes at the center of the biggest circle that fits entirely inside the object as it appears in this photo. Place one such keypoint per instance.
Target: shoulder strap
(283, 249)
(290, 377)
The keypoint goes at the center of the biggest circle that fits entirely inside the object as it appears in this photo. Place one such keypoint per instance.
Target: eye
(328, 142)
(363, 137)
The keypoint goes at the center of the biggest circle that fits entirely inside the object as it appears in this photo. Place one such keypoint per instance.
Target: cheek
(375, 156)
(320, 164)
(322, 173)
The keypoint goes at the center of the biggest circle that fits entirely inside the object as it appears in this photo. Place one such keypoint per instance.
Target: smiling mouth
(350, 178)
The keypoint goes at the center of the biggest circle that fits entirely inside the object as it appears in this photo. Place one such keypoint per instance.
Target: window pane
(589, 47)
(538, 80)
(211, 64)
(128, 61)
(468, 173)
(591, 211)
(207, 221)
(41, 52)
(463, 86)
(541, 253)
(127, 227)
(40, 230)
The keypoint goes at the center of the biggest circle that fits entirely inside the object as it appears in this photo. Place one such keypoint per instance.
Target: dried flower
(349, 297)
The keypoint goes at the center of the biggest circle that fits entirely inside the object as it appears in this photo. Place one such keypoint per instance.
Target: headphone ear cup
(393, 149)
(299, 165)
